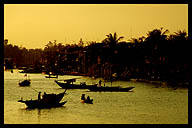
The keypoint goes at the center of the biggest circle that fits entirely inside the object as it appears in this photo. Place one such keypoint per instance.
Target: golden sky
(34, 25)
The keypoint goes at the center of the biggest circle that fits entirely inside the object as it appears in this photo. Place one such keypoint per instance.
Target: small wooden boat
(25, 82)
(68, 84)
(87, 101)
(51, 75)
(48, 101)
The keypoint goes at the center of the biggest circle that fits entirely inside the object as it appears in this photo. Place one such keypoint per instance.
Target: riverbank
(163, 83)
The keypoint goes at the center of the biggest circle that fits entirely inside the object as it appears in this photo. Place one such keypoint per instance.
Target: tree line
(158, 56)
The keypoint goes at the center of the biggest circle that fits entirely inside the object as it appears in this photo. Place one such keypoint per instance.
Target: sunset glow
(34, 25)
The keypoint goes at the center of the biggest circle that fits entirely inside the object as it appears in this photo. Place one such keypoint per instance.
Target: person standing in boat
(44, 95)
(100, 83)
(39, 96)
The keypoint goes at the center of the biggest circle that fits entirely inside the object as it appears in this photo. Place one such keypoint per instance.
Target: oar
(65, 90)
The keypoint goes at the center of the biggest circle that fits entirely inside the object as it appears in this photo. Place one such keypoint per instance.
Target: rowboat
(25, 83)
(87, 101)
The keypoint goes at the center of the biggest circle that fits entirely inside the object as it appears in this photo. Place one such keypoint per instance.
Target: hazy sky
(34, 25)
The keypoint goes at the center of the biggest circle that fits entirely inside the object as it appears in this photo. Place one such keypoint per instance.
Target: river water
(146, 104)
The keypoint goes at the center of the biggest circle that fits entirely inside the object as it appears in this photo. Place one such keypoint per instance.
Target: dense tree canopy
(158, 54)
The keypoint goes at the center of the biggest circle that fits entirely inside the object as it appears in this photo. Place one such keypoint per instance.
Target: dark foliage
(155, 57)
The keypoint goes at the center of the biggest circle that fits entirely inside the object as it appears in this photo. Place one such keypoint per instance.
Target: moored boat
(51, 76)
(25, 83)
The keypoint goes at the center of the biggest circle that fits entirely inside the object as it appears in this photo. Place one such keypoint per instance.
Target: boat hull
(93, 87)
(40, 104)
(87, 101)
(111, 89)
(25, 83)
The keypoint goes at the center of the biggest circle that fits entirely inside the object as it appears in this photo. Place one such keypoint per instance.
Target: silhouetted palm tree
(179, 42)
(156, 39)
(181, 35)
(134, 40)
(112, 39)
(157, 35)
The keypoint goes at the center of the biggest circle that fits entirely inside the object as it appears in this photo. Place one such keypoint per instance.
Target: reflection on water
(146, 104)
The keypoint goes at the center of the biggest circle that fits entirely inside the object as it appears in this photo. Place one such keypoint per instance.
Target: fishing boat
(109, 88)
(69, 84)
(48, 101)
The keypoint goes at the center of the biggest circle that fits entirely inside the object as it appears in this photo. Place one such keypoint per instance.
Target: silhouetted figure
(88, 98)
(83, 97)
(44, 95)
(39, 96)
(100, 82)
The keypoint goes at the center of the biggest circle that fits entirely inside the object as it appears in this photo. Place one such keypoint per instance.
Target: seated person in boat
(88, 98)
(83, 97)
